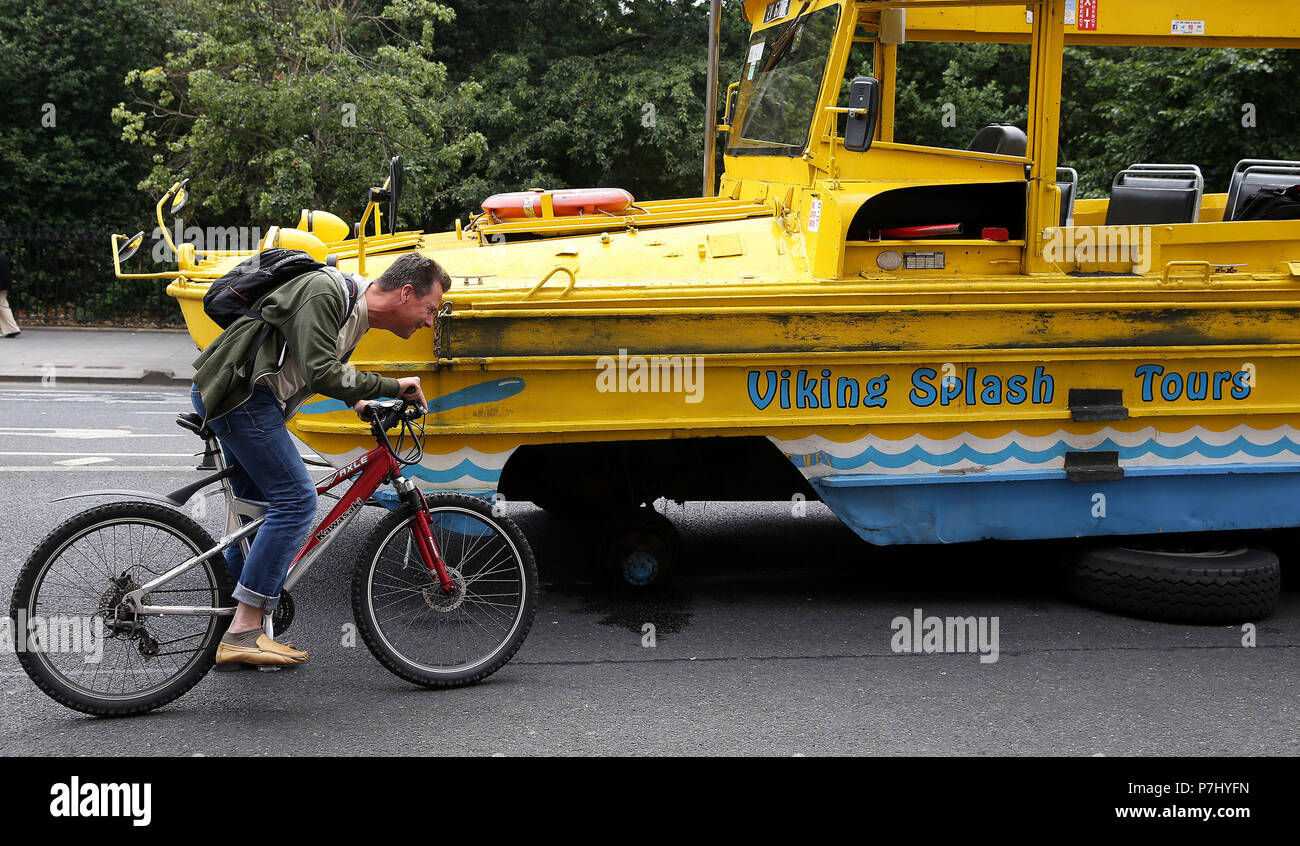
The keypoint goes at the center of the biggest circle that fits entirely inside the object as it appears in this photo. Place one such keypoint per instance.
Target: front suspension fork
(424, 541)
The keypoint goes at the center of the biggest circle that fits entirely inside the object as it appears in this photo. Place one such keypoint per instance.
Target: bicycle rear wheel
(78, 643)
(424, 635)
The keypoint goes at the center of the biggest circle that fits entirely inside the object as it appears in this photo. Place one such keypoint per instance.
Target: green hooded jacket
(306, 314)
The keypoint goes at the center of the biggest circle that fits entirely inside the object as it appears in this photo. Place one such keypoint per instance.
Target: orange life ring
(565, 202)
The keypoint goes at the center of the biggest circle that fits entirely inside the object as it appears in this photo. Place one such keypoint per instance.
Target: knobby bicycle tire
(462, 521)
(97, 521)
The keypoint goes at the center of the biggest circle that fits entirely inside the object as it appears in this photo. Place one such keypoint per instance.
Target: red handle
(904, 232)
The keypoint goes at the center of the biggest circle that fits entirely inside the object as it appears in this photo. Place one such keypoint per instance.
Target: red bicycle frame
(375, 467)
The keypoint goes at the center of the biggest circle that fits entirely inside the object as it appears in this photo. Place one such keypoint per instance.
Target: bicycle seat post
(237, 511)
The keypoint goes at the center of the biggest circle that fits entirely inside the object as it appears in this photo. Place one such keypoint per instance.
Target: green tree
(948, 92)
(1210, 107)
(256, 106)
(62, 160)
(299, 103)
(588, 92)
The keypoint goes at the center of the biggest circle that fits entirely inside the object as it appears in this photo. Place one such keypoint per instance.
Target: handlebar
(388, 413)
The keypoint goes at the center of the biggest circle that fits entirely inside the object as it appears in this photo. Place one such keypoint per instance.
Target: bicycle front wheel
(421, 633)
(82, 645)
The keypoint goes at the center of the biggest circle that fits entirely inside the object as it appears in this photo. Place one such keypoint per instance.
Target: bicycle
(444, 591)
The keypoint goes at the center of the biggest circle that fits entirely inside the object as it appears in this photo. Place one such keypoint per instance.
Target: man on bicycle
(246, 395)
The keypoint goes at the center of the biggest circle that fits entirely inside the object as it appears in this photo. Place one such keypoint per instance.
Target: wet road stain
(669, 609)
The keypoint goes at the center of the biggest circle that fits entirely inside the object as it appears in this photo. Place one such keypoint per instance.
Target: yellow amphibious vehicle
(941, 344)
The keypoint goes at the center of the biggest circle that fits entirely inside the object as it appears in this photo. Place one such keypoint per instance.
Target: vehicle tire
(93, 554)
(1217, 586)
(421, 634)
(638, 548)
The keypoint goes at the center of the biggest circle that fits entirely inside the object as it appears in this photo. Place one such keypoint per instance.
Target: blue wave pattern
(465, 468)
(894, 461)
(494, 390)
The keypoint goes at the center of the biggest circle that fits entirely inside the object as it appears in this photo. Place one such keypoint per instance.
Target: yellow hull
(686, 342)
(984, 361)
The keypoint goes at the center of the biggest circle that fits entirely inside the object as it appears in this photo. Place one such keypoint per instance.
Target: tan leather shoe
(266, 653)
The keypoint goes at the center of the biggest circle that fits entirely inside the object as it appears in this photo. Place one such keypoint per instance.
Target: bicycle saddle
(192, 421)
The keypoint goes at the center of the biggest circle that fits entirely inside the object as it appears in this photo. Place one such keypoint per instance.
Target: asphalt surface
(776, 640)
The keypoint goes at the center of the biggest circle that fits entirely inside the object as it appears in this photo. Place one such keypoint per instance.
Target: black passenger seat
(1152, 194)
(1250, 176)
(1001, 139)
(1067, 179)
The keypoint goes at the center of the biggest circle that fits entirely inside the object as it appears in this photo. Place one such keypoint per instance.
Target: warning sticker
(1187, 28)
(1087, 15)
(1070, 6)
(756, 51)
(814, 215)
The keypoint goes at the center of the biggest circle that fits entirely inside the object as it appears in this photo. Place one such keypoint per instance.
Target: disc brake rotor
(438, 599)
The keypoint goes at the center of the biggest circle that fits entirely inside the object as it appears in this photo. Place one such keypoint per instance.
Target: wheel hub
(438, 599)
(119, 618)
(640, 567)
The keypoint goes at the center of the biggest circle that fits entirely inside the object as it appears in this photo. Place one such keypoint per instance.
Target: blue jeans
(268, 469)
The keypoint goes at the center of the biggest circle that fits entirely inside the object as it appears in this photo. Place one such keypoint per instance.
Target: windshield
(778, 89)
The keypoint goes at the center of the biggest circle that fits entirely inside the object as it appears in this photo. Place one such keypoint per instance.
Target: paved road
(776, 641)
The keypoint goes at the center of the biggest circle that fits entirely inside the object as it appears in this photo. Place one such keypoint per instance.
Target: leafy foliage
(1206, 107)
(478, 97)
(298, 103)
(948, 92)
(590, 93)
(62, 160)
(271, 106)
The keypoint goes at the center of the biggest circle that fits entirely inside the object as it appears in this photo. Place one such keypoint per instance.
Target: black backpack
(1272, 204)
(234, 294)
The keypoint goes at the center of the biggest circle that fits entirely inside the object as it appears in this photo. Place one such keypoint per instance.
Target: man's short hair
(420, 272)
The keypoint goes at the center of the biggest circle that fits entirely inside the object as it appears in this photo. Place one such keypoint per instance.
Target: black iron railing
(65, 277)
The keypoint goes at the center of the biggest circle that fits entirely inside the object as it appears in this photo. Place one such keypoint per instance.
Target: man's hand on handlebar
(408, 390)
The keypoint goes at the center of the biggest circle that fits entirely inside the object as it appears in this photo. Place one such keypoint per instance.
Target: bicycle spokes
(122, 651)
(437, 629)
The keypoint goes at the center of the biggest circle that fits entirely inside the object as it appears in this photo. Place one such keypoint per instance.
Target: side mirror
(179, 199)
(864, 100)
(396, 174)
(128, 247)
